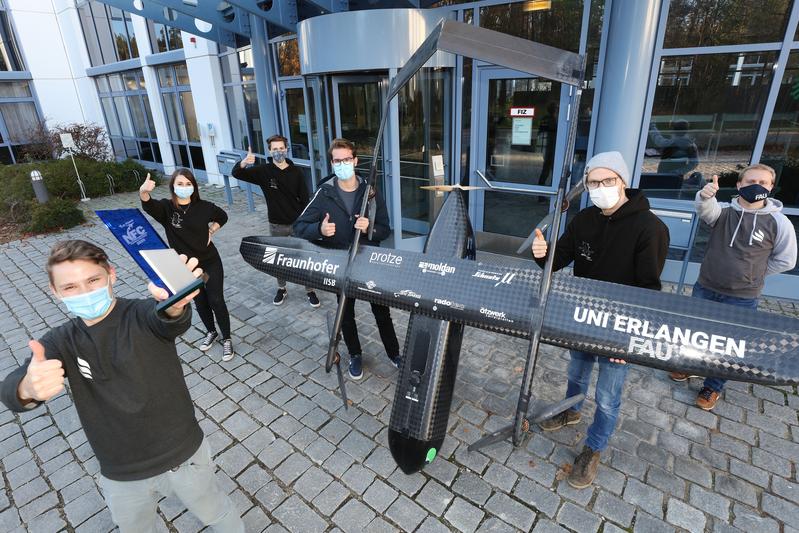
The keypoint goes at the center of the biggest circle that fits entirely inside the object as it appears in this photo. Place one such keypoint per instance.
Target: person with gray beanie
(619, 240)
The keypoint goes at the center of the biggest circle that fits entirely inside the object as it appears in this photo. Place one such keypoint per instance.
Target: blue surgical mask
(184, 192)
(89, 305)
(278, 156)
(754, 193)
(344, 171)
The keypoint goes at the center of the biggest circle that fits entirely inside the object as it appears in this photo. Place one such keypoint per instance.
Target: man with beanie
(283, 187)
(750, 238)
(618, 240)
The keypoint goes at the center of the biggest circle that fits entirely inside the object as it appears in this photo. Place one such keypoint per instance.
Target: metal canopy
(282, 13)
(221, 15)
(495, 48)
(331, 6)
(171, 17)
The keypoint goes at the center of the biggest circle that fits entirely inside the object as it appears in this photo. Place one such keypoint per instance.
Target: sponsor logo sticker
(441, 268)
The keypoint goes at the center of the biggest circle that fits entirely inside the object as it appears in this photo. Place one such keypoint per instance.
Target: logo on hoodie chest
(585, 251)
(84, 368)
(758, 235)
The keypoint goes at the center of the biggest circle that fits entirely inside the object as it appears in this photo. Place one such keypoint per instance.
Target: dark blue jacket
(327, 201)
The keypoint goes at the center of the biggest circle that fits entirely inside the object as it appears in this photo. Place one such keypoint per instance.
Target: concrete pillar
(632, 32)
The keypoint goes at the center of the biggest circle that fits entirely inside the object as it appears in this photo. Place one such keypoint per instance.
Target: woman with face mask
(189, 224)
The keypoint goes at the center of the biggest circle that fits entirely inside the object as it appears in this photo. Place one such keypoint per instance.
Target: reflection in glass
(137, 114)
(288, 58)
(110, 116)
(10, 58)
(359, 112)
(713, 22)
(182, 74)
(519, 149)
(513, 214)
(176, 133)
(124, 119)
(15, 89)
(781, 150)
(21, 119)
(555, 23)
(165, 78)
(298, 123)
(189, 116)
(705, 116)
(116, 82)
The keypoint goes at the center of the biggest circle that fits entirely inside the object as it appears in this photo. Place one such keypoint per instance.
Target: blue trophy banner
(135, 233)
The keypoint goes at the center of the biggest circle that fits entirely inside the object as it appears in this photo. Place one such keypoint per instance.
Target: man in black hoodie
(330, 216)
(618, 240)
(283, 187)
(127, 383)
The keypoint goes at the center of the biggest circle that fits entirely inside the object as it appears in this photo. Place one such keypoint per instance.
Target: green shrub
(56, 214)
(59, 177)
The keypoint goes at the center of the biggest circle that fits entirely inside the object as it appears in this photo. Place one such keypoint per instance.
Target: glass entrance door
(520, 140)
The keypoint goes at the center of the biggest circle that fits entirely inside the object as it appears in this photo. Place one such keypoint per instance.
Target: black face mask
(754, 193)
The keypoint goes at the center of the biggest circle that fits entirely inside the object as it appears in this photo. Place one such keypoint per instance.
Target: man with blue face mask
(750, 238)
(619, 240)
(127, 383)
(331, 217)
(283, 186)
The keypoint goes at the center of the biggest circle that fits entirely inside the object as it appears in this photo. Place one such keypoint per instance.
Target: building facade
(683, 88)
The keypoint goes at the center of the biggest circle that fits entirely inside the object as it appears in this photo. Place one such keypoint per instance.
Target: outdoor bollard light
(39, 187)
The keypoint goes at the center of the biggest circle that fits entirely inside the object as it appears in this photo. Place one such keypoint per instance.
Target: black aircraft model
(445, 288)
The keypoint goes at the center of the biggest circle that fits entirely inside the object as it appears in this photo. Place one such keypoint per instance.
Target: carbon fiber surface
(650, 328)
(423, 396)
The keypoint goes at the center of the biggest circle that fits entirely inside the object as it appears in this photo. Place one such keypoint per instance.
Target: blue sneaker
(356, 367)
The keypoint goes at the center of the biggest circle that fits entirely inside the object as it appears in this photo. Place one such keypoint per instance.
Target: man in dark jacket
(127, 383)
(333, 212)
(618, 240)
(286, 195)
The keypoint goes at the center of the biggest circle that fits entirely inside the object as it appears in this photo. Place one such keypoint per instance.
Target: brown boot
(566, 418)
(678, 376)
(584, 468)
(707, 398)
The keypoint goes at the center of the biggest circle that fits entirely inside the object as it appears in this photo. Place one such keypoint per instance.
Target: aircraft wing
(646, 327)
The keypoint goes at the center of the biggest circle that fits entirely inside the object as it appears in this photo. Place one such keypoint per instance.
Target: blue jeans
(609, 387)
(717, 384)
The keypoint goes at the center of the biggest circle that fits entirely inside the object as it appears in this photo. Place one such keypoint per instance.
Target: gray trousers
(133, 504)
(283, 230)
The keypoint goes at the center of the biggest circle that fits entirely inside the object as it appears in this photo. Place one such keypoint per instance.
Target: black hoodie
(628, 247)
(284, 189)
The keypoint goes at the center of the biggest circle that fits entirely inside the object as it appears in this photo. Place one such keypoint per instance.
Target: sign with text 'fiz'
(522, 112)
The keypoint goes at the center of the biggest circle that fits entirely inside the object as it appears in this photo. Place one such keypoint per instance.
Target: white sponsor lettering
(269, 255)
(329, 282)
(407, 292)
(442, 269)
(309, 264)
(370, 287)
(496, 315)
(501, 278)
(386, 258)
(449, 303)
(662, 341)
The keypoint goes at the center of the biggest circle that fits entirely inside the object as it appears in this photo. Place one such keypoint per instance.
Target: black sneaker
(395, 361)
(210, 337)
(280, 297)
(227, 350)
(313, 299)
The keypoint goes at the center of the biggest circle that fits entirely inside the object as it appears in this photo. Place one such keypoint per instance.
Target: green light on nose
(431, 454)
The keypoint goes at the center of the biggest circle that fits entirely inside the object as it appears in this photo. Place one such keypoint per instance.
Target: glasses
(607, 182)
(346, 160)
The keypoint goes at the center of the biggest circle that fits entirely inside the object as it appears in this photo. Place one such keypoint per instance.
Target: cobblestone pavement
(294, 460)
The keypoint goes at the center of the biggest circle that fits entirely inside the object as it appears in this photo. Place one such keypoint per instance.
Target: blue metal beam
(331, 6)
(282, 13)
(228, 18)
(157, 13)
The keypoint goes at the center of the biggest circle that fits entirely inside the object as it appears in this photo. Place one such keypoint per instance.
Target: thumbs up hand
(539, 245)
(44, 378)
(710, 190)
(148, 185)
(327, 228)
(249, 159)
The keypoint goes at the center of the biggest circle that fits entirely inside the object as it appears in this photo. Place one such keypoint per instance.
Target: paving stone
(312, 481)
(692, 471)
(292, 468)
(751, 521)
(83, 507)
(683, 515)
(443, 470)
(378, 525)
(736, 489)
(709, 502)
(275, 453)
(610, 479)
(405, 513)
(772, 463)
(580, 496)
(30, 491)
(578, 519)
(352, 516)
(750, 473)
(271, 495)
(738, 431)
(538, 496)
(47, 522)
(380, 496)
(295, 515)
(510, 511)
(329, 499)
(358, 478)
(782, 510)
(234, 460)
(431, 525)
(434, 497)
(408, 485)
(464, 516)
(730, 446)
(472, 487)
(614, 509)
(382, 462)
(38, 506)
(548, 526)
(647, 498)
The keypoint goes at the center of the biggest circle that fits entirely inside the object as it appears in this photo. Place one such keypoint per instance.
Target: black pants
(210, 302)
(384, 325)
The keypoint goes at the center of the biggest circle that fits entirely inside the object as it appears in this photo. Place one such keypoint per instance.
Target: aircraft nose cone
(411, 455)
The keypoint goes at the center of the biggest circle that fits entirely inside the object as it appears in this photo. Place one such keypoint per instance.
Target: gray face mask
(278, 156)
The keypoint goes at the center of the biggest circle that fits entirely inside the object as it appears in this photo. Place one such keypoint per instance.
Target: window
(10, 58)
(164, 38)
(705, 116)
(719, 22)
(238, 76)
(555, 22)
(127, 115)
(288, 58)
(181, 117)
(108, 32)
